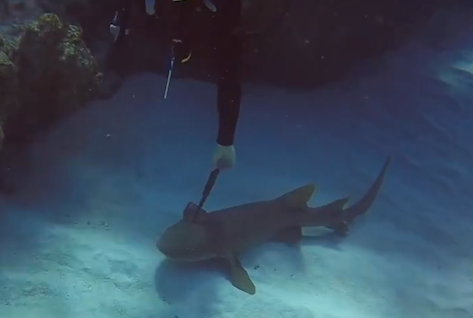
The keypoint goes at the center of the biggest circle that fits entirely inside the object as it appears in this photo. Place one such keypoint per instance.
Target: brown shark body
(229, 232)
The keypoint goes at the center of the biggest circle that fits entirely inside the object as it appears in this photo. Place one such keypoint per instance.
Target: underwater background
(93, 193)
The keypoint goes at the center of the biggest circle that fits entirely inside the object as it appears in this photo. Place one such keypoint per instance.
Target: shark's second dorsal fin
(337, 204)
(299, 197)
(191, 211)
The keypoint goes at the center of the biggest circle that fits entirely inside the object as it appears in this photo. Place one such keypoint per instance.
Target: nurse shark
(229, 232)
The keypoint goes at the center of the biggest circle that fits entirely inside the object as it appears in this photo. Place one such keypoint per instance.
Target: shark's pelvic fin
(298, 198)
(341, 228)
(239, 276)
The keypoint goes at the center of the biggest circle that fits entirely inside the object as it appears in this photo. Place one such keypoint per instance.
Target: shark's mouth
(183, 254)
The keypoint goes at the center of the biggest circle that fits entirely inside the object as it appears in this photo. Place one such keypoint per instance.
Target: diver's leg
(119, 27)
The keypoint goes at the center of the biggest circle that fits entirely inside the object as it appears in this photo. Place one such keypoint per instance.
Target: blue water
(78, 237)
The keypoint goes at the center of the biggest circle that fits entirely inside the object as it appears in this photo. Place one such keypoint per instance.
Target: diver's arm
(228, 106)
(228, 55)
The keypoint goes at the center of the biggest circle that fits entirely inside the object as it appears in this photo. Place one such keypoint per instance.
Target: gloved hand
(224, 157)
(115, 28)
(181, 51)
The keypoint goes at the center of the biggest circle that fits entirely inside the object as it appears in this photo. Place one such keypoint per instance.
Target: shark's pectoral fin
(289, 235)
(298, 198)
(239, 276)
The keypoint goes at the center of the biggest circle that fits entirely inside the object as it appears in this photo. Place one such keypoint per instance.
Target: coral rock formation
(8, 84)
(52, 73)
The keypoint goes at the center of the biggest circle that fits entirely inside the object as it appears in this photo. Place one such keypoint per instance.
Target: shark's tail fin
(364, 204)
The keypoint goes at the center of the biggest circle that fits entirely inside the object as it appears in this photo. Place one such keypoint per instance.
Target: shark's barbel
(229, 232)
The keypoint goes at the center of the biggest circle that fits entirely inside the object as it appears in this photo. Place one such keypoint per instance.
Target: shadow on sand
(190, 284)
(177, 282)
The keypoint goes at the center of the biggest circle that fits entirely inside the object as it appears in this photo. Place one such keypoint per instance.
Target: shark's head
(186, 241)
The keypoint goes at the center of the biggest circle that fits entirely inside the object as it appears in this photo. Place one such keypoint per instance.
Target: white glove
(149, 4)
(115, 31)
(224, 157)
(210, 5)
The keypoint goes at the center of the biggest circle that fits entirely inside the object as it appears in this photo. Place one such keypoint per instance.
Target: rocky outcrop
(47, 72)
(312, 44)
(318, 41)
(9, 93)
(47, 69)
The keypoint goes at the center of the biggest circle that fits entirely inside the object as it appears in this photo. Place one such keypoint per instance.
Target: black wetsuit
(228, 50)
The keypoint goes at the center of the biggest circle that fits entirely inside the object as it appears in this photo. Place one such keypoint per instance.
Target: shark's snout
(182, 242)
(170, 245)
(170, 249)
(178, 252)
(163, 247)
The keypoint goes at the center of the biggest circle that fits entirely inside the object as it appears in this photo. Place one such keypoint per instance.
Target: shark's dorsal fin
(191, 212)
(338, 204)
(299, 197)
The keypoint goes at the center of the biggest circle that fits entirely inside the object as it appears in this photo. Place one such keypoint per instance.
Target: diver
(228, 51)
